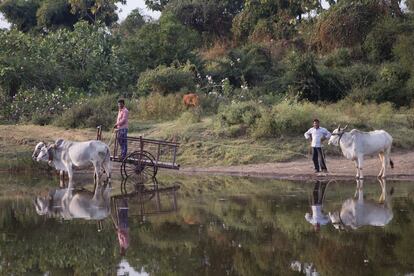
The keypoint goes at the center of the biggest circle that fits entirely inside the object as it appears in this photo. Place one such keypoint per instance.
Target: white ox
(36, 152)
(65, 155)
(356, 144)
(357, 212)
(80, 204)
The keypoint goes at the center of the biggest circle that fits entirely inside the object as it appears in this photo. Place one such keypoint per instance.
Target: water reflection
(305, 268)
(318, 216)
(98, 205)
(69, 204)
(223, 226)
(358, 211)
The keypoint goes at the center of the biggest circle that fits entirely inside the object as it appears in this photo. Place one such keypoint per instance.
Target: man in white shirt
(318, 134)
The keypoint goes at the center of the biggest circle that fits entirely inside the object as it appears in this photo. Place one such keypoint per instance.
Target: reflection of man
(122, 227)
(318, 217)
(122, 127)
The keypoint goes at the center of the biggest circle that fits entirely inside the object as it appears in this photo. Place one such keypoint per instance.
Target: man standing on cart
(121, 127)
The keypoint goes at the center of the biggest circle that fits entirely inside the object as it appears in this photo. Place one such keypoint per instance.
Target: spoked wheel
(139, 192)
(138, 168)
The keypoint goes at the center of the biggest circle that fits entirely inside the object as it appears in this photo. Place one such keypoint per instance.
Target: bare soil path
(302, 169)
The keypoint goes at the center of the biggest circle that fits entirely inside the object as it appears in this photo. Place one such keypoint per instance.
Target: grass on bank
(240, 133)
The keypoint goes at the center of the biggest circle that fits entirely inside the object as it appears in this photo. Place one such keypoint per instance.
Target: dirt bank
(302, 169)
(15, 138)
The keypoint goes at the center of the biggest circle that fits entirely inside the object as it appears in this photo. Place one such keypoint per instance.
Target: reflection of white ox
(357, 212)
(81, 204)
(357, 144)
(65, 155)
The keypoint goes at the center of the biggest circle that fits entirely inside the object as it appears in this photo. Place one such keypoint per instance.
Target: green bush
(294, 118)
(165, 80)
(378, 44)
(360, 75)
(245, 113)
(210, 103)
(301, 77)
(338, 58)
(333, 85)
(190, 117)
(40, 106)
(403, 50)
(391, 86)
(91, 112)
(158, 107)
(243, 66)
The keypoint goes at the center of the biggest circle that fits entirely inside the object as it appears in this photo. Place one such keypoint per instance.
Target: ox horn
(345, 127)
(52, 146)
(339, 126)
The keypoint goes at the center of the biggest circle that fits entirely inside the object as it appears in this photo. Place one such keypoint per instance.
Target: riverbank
(202, 153)
(302, 169)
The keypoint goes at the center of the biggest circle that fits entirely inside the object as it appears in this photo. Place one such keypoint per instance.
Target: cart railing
(163, 153)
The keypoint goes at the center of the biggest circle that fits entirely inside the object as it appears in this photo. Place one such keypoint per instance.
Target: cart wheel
(138, 167)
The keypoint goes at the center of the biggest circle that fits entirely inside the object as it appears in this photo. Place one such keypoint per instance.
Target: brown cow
(190, 100)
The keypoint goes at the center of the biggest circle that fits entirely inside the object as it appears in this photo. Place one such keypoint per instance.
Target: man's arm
(308, 133)
(327, 134)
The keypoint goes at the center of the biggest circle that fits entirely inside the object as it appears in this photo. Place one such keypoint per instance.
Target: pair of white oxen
(66, 155)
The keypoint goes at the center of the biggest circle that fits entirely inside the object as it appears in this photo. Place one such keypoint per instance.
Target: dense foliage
(254, 51)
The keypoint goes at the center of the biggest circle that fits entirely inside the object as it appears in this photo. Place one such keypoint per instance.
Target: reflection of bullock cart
(144, 157)
(154, 200)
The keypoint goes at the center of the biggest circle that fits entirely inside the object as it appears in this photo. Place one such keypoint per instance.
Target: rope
(112, 137)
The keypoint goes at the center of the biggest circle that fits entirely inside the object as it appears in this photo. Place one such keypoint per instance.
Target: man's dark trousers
(318, 159)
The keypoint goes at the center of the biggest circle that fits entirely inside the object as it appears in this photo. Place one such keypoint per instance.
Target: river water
(210, 225)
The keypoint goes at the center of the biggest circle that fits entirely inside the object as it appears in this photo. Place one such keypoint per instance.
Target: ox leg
(383, 190)
(97, 174)
(359, 188)
(386, 161)
(107, 169)
(356, 167)
(381, 157)
(360, 166)
(68, 195)
(61, 179)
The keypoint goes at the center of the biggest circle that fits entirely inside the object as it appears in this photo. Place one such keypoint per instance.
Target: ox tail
(391, 164)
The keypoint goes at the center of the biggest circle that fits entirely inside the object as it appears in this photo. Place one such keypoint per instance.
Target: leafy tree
(159, 43)
(213, 17)
(53, 14)
(246, 66)
(132, 23)
(281, 16)
(48, 15)
(96, 10)
(346, 24)
(156, 5)
(379, 42)
(84, 58)
(20, 13)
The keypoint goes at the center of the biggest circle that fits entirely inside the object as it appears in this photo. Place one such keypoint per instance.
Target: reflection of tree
(259, 230)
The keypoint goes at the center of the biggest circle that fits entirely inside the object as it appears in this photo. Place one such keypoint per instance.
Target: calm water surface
(210, 226)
